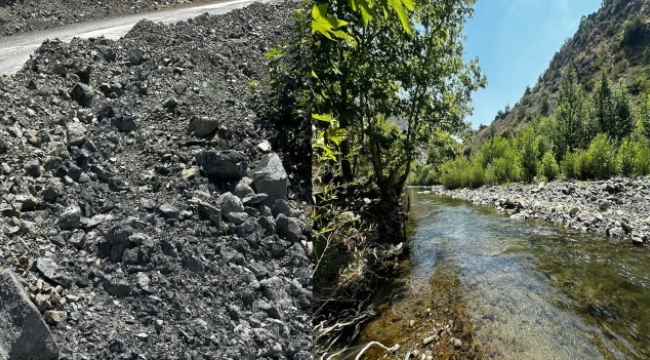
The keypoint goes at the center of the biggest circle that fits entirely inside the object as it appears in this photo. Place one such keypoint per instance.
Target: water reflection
(527, 290)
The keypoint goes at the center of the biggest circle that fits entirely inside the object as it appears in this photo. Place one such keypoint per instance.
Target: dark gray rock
(53, 190)
(281, 206)
(230, 203)
(255, 199)
(82, 94)
(268, 223)
(179, 87)
(282, 220)
(195, 265)
(237, 218)
(50, 271)
(270, 178)
(70, 219)
(26, 202)
(276, 291)
(135, 56)
(292, 231)
(209, 212)
(117, 288)
(24, 335)
(169, 211)
(76, 134)
(32, 168)
(124, 123)
(223, 165)
(5, 145)
(243, 190)
(78, 239)
(203, 126)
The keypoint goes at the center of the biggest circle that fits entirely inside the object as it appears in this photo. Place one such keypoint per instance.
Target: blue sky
(515, 41)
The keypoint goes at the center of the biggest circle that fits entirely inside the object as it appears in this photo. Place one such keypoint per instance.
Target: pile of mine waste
(144, 211)
(20, 16)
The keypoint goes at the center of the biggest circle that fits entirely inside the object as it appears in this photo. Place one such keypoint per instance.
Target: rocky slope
(606, 40)
(19, 16)
(142, 208)
(618, 208)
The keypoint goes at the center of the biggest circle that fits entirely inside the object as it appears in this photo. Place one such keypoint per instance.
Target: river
(485, 286)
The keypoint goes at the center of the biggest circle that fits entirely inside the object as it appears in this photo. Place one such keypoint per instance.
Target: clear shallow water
(531, 290)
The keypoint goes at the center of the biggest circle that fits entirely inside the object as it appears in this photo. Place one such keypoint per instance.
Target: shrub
(452, 172)
(476, 176)
(548, 167)
(420, 174)
(600, 159)
(568, 166)
(626, 157)
(633, 30)
(505, 170)
(462, 173)
(642, 160)
(528, 153)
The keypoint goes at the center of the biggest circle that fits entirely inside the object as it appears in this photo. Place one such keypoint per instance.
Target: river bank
(617, 208)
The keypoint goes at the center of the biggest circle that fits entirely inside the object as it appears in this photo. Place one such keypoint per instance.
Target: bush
(642, 160)
(476, 176)
(626, 157)
(568, 166)
(600, 159)
(504, 170)
(548, 167)
(426, 175)
(452, 172)
(528, 147)
(462, 173)
(633, 30)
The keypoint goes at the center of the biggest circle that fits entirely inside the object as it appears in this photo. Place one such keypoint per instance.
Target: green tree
(418, 80)
(571, 113)
(604, 103)
(622, 120)
(644, 117)
(528, 147)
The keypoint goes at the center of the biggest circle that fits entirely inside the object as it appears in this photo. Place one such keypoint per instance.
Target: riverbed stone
(603, 205)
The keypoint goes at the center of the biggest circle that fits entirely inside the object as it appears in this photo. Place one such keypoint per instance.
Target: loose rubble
(19, 16)
(134, 235)
(617, 208)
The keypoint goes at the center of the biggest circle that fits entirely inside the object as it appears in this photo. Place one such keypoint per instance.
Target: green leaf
(329, 153)
(313, 74)
(323, 117)
(273, 53)
(336, 135)
(398, 6)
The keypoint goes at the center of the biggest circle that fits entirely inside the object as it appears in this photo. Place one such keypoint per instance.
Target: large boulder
(223, 164)
(269, 177)
(24, 335)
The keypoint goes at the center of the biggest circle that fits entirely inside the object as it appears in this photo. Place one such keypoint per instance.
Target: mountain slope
(615, 38)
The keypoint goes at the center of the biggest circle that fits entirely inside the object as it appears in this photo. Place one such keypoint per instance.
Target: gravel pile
(618, 208)
(20, 16)
(143, 210)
